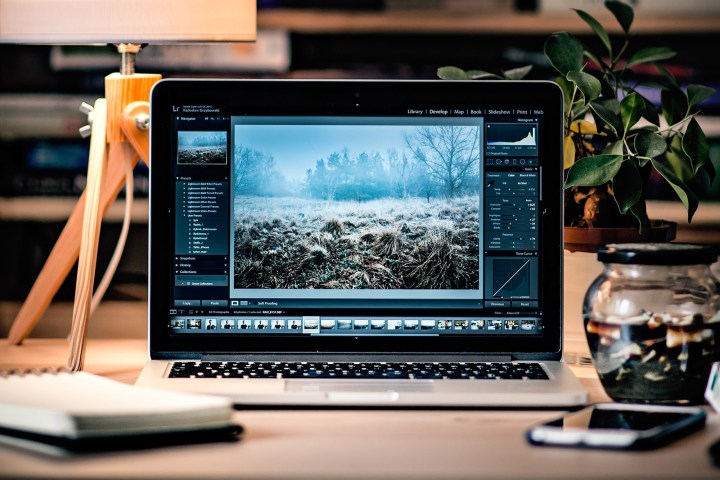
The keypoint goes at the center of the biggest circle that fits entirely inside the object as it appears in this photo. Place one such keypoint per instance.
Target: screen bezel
(348, 98)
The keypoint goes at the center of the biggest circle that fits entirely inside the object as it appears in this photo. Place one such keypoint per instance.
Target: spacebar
(352, 374)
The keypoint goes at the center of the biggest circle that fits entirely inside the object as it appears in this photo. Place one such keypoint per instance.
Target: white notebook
(82, 406)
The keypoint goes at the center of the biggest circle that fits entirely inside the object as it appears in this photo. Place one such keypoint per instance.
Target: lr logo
(175, 109)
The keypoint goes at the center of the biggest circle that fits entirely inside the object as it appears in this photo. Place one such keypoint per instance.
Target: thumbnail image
(361, 324)
(477, 324)
(177, 323)
(311, 323)
(395, 324)
(210, 324)
(411, 324)
(377, 324)
(295, 324)
(327, 324)
(261, 324)
(494, 325)
(427, 324)
(444, 324)
(527, 325)
(244, 324)
(344, 324)
(278, 324)
(511, 324)
(227, 324)
(202, 148)
(194, 324)
(461, 324)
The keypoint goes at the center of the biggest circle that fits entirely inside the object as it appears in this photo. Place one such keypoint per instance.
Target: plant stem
(568, 121)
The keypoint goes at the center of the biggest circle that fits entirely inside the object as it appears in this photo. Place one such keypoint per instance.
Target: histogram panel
(511, 139)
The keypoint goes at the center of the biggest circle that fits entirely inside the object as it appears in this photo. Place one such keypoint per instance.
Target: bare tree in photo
(246, 169)
(451, 154)
(401, 170)
(255, 172)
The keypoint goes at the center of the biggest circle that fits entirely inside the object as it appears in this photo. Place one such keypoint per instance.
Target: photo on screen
(202, 148)
(356, 207)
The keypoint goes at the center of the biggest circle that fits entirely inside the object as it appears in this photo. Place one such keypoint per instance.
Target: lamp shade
(127, 21)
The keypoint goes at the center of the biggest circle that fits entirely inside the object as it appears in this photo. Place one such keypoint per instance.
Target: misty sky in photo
(187, 137)
(298, 147)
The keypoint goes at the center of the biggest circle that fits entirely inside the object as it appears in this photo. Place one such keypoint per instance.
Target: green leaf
(518, 73)
(627, 186)
(665, 73)
(567, 89)
(623, 13)
(452, 73)
(481, 74)
(614, 148)
(652, 54)
(677, 159)
(650, 114)
(674, 104)
(709, 169)
(611, 104)
(649, 145)
(688, 198)
(597, 28)
(648, 128)
(695, 145)
(607, 116)
(631, 109)
(698, 93)
(595, 59)
(588, 85)
(639, 211)
(564, 51)
(595, 170)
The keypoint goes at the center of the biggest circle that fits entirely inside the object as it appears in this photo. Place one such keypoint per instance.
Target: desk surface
(352, 444)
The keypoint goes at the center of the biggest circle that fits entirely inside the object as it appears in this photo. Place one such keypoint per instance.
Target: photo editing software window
(418, 224)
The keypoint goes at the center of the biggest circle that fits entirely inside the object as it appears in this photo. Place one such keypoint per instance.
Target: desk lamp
(118, 123)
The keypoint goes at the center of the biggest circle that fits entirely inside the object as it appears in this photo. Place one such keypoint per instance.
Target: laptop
(358, 243)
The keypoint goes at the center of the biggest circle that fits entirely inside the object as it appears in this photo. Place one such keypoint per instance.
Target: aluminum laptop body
(406, 232)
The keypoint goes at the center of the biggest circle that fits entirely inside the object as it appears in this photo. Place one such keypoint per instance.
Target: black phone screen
(596, 418)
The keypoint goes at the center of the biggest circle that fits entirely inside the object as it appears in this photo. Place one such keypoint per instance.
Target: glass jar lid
(657, 254)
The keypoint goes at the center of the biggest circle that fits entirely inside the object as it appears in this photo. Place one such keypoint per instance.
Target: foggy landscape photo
(202, 148)
(356, 207)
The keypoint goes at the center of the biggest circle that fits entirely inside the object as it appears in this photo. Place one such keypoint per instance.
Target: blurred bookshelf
(42, 159)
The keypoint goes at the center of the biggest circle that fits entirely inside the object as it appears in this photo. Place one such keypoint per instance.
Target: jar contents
(655, 358)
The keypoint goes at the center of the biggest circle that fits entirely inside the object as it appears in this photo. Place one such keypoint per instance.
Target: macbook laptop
(358, 243)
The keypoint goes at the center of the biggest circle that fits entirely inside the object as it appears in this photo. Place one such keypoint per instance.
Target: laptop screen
(352, 215)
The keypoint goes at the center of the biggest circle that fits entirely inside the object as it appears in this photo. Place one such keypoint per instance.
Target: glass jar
(652, 321)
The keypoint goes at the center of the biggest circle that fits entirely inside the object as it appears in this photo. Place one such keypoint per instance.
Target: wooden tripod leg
(90, 235)
(64, 254)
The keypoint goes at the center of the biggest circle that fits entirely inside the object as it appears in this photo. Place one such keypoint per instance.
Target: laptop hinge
(352, 357)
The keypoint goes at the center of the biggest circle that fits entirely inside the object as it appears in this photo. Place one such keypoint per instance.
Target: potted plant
(615, 138)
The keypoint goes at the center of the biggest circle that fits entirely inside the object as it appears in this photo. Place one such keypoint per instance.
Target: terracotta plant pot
(579, 239)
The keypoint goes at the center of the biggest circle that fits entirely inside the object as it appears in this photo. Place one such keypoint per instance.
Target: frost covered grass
(382, 244)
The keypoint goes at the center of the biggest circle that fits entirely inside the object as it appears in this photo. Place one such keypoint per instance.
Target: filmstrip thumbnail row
(340, 325)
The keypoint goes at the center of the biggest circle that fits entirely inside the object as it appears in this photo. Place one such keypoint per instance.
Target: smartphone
(619, 426)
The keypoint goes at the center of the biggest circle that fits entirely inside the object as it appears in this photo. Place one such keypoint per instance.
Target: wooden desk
(353, 444)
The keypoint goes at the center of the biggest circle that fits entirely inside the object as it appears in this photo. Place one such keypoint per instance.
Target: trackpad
(358, 386)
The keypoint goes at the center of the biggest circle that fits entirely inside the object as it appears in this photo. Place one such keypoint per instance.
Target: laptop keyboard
(434, 371)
